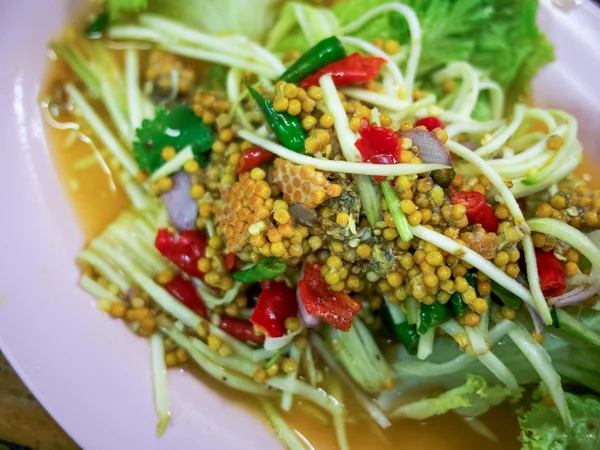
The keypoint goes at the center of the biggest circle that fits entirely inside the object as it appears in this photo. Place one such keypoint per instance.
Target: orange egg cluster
(247, 203)
(256, 225)
(303, 184)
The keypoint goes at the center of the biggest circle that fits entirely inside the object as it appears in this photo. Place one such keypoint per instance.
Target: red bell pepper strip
(276, 303)
(431, 123)
(240, 329)
(253, 157)
(184, 250)
(378, 145)
(185, 291)
(336, 308)
(478, 211)
(352, 69)
(551, 273)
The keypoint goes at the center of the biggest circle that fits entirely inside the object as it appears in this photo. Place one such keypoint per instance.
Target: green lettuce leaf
(499, 36)
(471, 399)
(575, 360)
(543, 429)
(300, 26)
(251, 18)
(511, 47)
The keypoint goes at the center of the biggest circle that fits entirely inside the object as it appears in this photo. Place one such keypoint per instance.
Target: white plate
(87, 370)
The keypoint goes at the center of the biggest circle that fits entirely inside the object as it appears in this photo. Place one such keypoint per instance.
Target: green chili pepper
(472, 280)
(323, 53)
(458, 305)
(286, 127)
(408, 336)
(267, 269)
(504, 297)
(433, 315)
(405, 332)
(95, 29)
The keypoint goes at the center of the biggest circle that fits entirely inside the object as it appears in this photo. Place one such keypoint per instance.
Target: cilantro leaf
(179, 128)
(542, 427)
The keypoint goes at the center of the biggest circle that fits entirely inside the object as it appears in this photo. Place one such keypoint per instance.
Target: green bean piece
(267, 269)
(398, 216)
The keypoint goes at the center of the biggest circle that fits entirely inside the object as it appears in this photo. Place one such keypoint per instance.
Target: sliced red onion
(181, 207)
(431, 149)
(538, 323)
(310, 320)
(522, 281)
(471, 145)
(303, 214)
(579, 294)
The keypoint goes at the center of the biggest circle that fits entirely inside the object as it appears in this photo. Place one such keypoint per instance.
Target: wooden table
(24, 424)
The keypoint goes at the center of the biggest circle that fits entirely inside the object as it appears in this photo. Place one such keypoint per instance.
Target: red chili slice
(185, 291)
(431, 123)
(350, 70)
(378, 145)
(240, 329)
(276, 303)
(253, 157)
(478, 210)
(336, 308)
(551, 273)
(184, 250)
(230, 259)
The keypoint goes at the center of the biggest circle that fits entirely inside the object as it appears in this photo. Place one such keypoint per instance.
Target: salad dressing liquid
(97, 200)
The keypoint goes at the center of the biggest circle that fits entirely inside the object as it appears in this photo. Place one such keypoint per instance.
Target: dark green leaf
(554, 316)
(97, 26)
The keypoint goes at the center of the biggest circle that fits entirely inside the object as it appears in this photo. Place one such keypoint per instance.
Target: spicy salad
(356, 196)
